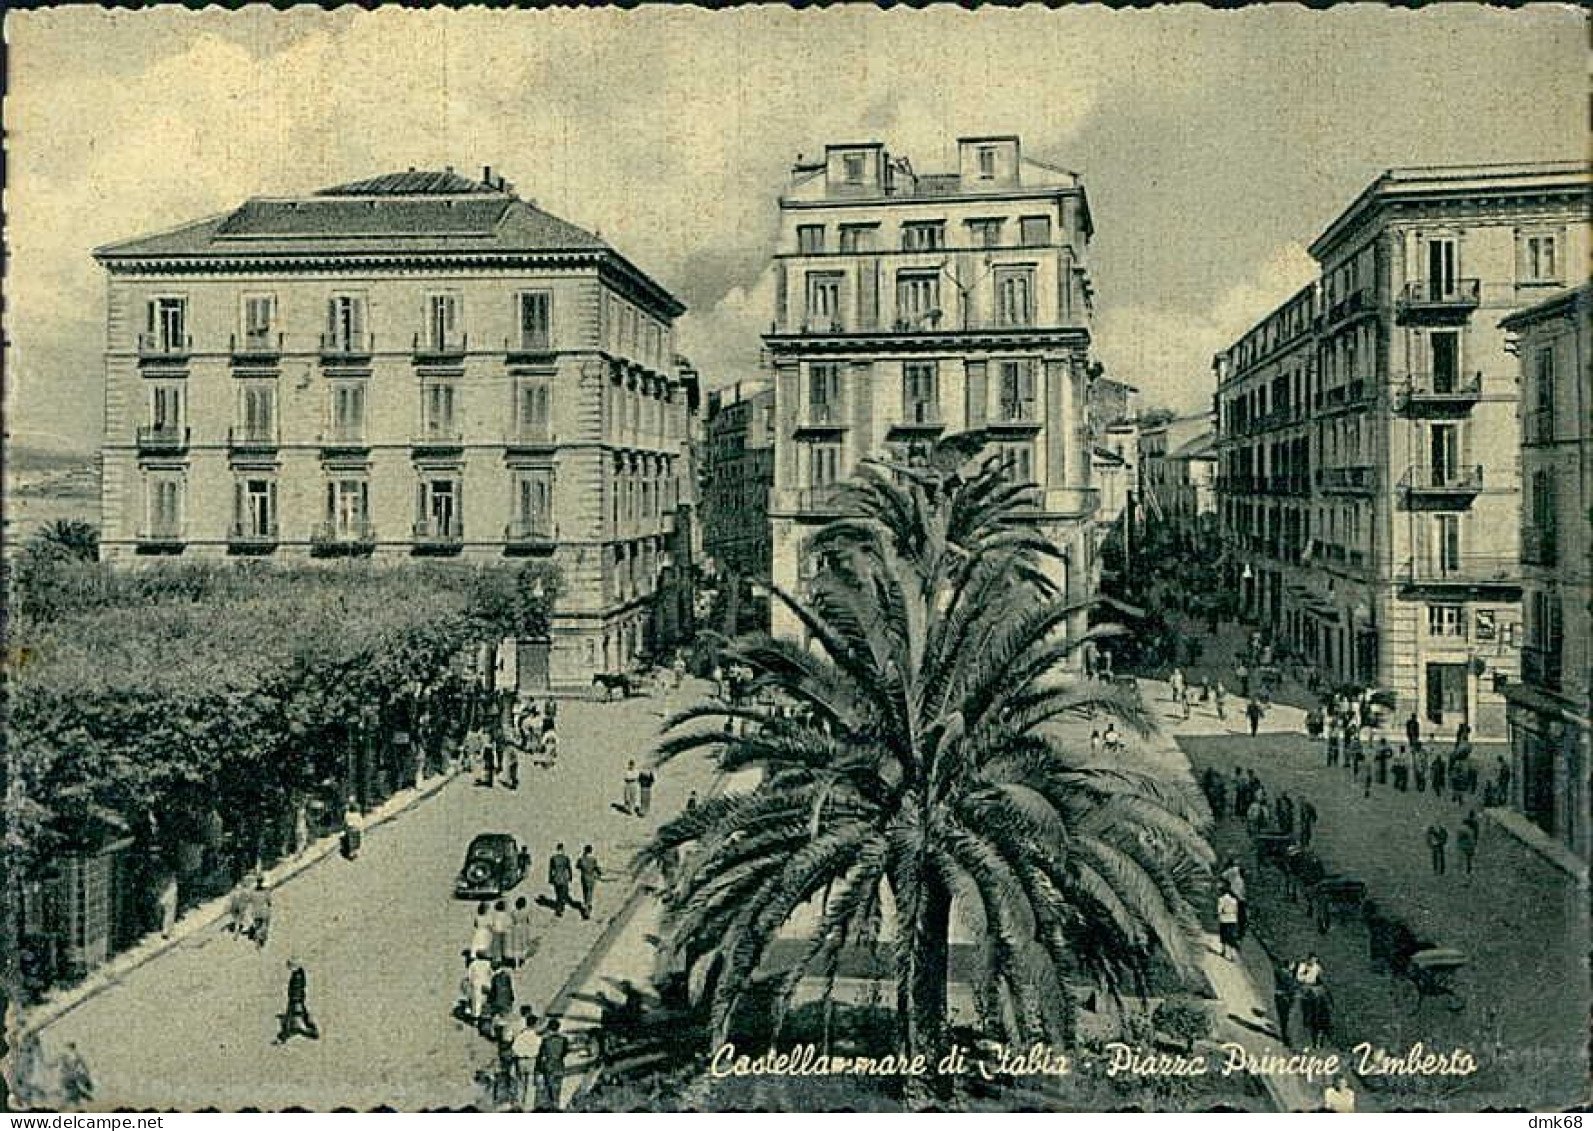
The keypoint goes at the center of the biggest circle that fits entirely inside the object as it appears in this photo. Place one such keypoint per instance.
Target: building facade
(740, 474)
(913, 306)
(415, 365)
(1176, 473)
(1551, 706)
(1376, 502)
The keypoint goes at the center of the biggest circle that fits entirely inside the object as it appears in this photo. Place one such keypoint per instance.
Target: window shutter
(239, 507)
(420, 502)
(331, 502)
(978, 395)
(867, 294)
(331, 319)
(365, 500)
(271, 502)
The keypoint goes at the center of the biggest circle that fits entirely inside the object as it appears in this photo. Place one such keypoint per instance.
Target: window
(533, 407)
(1444, 454)
(920, 393)
(1019, 460)
(1015, 296)
(254, 508)
(348, 411)
(347, 507)
(824, 302)
(1446, 544)
(1018, 391)
(258, 412)
(923, 235)
(824, 465)
(1540, 422)
(166, 408)
(987, 162)
(824, 393)
(1446, 620)
(345, 324)
(985, 233)
(917, 300)
(810, 238)
(1035, 231)
(165, 506)
(852, 166)
(439, 508)
(437, 410)
(536, 321)
(1540, 260)
(1445, 347)
(442, 322)
(533, 504)
(259, 321)
(857, 237)
(1441, 269)
(166, 326)
(1543, 536)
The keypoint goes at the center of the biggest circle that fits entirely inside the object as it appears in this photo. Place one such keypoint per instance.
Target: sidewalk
(204, 916)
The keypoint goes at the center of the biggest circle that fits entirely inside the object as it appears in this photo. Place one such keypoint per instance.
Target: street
(381, 939)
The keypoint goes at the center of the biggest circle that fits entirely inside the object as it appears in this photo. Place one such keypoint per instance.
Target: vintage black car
(494, 863)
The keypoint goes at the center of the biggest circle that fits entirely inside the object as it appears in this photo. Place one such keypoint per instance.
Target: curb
(204, 916)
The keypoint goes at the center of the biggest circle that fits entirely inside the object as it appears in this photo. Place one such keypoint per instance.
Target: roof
(1201, 447)
(410, 183)
(1561, 302)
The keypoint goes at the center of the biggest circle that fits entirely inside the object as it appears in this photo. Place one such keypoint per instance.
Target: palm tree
(909, 759)
(66, 539)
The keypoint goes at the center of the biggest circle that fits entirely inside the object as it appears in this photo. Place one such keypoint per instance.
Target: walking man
(353, 830)
(1228, 924)
(550, 1066)
(525, 1046)
(1437, 838)
(1253, 713)
(591, 872)
(296, 1018)
(559, 876)
(1413, 732)
(633, 801)
(1307, 822)
(167, 899)
(644, 790)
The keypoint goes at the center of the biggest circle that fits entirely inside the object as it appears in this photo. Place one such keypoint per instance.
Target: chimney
(448, 168)
(486, 176)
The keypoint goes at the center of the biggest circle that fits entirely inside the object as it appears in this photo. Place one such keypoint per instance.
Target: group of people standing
(497, 741)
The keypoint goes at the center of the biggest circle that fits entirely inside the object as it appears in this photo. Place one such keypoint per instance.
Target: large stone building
(740, 474)
(417, 364)
(1552, 704)
(1369, 438)
(1176, 470)
(910, 306)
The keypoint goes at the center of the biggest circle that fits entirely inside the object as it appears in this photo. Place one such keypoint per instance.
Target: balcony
(1440, 488)
(1438, 300)
(1537, 427)
(530, 439)
(820, 419)
(1541, 666)
(252, 441)
(438, 440)
(824, 500)
(165, 348)
(1466, 572)
(1348, 395)
(440, 349)
(347, 349)
(162, 439)
(1540, 545)
(918, 419)
(243, 538)
(432, 536)
(255, 348)
(528, 347)
(161, 540)
(1355, 480)
(530, 536)
(1438, 394)
(1015, 416)
(342, 539)
(345, 442)
(1352, 305)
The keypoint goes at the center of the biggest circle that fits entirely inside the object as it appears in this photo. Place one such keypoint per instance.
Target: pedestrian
(523, 1049)
(77, 1086)
(166, 900)
(1338, 1097)
(259, 928)
(500, 999)
(1413, 732)
(1437, 838)
(691, 802)
(296, 1018)
(500, 924)
(644, 790)
(520, 934)
(1176, 683)
(1284, 991)
(632, 790)
(1243, 674)
(1436, 776)
(559, 876)
(679, 667)
(511, 766)
(1228, 924)
(1183, 702)
(591, 871)
(1307, 821)
(550, 1066)
(478, 983)
(1095, 743)
(353, 830)
(1466, 841)
(1220, 699)
(489, 762)
(1233, 878)
(301, 828)
(1110, 739)
(1385, 754)
(481, 930)
(1333, 746)
(1402, 769)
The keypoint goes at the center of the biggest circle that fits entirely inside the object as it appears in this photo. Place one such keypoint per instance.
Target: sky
(1214, 145)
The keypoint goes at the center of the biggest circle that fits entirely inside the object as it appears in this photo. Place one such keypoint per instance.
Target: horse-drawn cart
(1433, 973)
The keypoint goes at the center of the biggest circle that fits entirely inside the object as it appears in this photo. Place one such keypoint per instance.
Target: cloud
(1166, 353)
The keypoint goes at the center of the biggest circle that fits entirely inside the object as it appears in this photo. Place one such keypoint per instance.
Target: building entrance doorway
(1446, 694)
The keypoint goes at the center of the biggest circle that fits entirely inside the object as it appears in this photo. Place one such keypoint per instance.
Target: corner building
(416, 365)
(1370, 473)
(911, 306)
